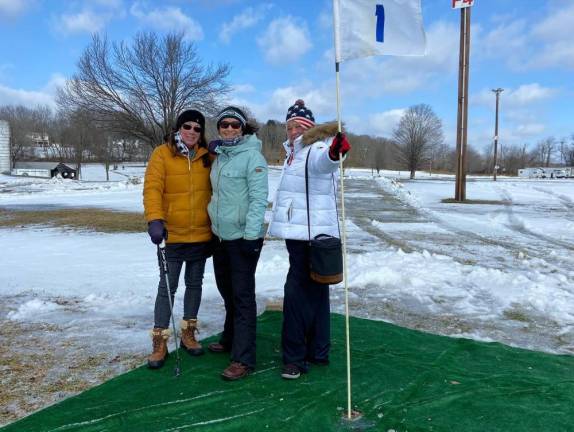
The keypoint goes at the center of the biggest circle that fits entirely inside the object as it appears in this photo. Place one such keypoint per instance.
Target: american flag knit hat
(299, 113)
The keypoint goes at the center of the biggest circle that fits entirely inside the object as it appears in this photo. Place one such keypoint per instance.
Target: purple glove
(157, 231)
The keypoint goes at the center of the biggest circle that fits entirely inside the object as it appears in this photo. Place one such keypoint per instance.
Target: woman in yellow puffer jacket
(176, 193)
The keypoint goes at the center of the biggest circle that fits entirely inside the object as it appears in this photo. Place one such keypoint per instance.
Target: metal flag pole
(344, 233)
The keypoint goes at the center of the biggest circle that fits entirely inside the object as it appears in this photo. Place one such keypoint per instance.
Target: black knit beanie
(190, 115)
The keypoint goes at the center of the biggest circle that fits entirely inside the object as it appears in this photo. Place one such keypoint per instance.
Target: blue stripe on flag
(380, 13)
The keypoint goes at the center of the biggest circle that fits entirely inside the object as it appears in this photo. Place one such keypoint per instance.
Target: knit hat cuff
(232, 113)
(305, 123)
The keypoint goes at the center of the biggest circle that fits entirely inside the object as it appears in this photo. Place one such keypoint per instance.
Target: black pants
(306, 312)
(235, 277)
(194, 256)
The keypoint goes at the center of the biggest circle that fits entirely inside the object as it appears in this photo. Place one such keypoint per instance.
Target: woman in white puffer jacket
(306, 311)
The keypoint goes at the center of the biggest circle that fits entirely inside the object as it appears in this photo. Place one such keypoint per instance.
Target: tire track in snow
(392, 208)
(517, 225)
(554, 263)
(564, 200)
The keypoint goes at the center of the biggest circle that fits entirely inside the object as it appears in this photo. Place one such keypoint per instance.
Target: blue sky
(282, 50)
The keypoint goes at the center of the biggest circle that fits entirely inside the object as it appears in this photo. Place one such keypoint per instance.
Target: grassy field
(92, 219)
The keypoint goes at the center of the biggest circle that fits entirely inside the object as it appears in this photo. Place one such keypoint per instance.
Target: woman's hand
(157, 231)
(340, 144)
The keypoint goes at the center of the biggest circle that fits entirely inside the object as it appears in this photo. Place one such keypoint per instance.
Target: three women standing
(237, 210)
(176, 193)
(299, 216)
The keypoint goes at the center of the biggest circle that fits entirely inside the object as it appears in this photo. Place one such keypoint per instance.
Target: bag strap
(336, 208)
(307, 192)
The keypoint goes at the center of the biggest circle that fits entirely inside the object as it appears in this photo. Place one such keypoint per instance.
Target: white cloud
(522, 113)
(168, 19)
(386, 75)
(32, 98)
(530, 93)
(558, 23)
(508, 40)
(285, 40)
(377, 124)
(547, 44)
(320, 99)
(92, 18)
(528, 130)
(86, 21)
(246, 19)
(13, 8)
(243, 88)
(325, 20)
(525, 95)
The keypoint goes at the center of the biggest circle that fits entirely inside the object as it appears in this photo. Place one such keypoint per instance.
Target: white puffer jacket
(290, 207)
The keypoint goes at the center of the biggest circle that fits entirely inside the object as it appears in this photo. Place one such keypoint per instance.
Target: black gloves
(157, 231)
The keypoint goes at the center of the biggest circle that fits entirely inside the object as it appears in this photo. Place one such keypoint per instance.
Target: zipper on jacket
(190, 194)
(219, 191)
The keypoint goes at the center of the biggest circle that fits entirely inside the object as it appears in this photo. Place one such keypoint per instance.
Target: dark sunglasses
(226, 124)
(188, 127)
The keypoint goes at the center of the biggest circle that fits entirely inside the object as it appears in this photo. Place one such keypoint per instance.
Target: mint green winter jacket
(239, 183)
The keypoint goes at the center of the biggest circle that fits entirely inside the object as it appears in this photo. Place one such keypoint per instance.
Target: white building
(545, 172)
(4, 147)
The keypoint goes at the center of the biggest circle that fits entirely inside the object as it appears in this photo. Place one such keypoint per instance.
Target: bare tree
(569, 153)
(24, 123)
(418, 131)
(544, 150)
(139, 90)
(273, 134)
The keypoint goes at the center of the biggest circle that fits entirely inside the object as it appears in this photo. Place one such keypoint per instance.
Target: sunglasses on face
(189, 127)
(226, 124)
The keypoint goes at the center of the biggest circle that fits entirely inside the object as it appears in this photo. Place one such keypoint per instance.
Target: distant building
(5, 161)
(44, 169)
(545, 172)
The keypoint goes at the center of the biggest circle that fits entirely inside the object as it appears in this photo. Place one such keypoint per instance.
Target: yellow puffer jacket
(177, 191)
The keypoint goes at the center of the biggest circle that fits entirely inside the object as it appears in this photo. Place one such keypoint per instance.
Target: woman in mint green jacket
(237, 210)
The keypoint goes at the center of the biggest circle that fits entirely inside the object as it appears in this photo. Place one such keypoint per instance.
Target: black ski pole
(163, 268)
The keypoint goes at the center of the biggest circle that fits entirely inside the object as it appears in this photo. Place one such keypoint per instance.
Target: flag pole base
(355, 415)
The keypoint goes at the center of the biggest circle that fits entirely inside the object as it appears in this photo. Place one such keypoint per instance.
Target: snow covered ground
(502, 270)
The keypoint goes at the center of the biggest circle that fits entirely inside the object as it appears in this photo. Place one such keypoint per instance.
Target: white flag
(366, 28)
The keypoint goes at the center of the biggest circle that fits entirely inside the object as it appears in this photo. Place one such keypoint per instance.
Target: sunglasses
(226, 124)
(188, 127)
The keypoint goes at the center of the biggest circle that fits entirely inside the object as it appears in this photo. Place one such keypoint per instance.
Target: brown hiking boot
(188, 341)
(159, 339)
(236, 371)
(216, 347)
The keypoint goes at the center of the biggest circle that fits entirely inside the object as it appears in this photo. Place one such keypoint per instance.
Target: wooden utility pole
(462, 114)
(495, 166)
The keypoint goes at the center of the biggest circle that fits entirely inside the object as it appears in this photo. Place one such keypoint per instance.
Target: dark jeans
(235, 277)
(194, 258)
(306, 312)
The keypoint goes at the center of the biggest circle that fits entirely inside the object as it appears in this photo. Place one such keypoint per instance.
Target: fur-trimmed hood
(319, 133)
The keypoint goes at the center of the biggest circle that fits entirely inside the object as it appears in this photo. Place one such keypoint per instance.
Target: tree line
(124, 99)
